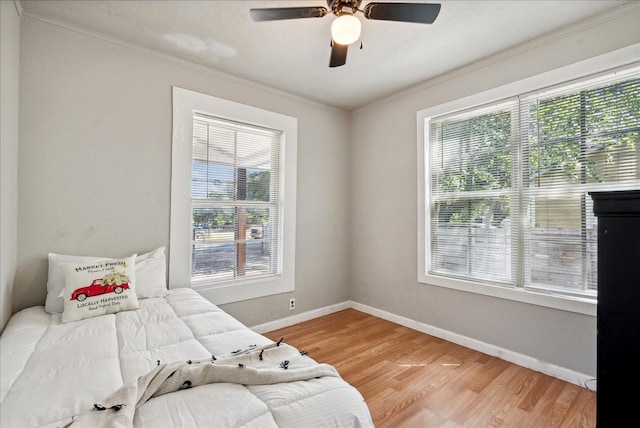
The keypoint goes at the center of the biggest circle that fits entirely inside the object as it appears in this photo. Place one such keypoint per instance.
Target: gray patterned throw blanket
(264, 365)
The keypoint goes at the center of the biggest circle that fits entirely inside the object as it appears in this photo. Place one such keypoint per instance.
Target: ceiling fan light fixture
(345, 29)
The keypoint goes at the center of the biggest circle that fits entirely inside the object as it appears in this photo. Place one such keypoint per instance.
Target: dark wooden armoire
(618, 312)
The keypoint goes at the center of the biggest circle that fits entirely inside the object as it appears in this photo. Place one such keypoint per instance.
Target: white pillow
(151, 276)
(97, 288)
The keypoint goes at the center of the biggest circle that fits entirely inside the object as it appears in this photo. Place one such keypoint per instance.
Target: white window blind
(471, 160)
(509, 182)
(235, 200)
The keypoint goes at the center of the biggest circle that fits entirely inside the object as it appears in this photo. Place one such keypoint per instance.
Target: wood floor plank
(411, 379)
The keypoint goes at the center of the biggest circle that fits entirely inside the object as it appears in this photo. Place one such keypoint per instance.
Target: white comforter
(51, 372)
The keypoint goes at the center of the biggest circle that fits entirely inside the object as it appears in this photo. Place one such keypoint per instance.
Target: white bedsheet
(52, 371)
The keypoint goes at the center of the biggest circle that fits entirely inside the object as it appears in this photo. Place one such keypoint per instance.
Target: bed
(58, 372)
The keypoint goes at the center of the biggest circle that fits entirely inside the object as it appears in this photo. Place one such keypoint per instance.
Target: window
(233, 198)
(507, 186)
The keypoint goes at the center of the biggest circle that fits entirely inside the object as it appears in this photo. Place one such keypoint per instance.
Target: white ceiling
(293, 55)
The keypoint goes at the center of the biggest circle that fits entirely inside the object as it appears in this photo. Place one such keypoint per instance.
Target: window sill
(555, 301)
(239, 290)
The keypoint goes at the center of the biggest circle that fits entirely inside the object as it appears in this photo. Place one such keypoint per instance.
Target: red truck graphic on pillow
(97, 288)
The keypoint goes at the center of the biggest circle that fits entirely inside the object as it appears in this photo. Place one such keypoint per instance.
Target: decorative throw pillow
(151, 276)
(55, 279)
(98, 288)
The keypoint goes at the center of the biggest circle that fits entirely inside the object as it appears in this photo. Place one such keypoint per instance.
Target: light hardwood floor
(411, 379)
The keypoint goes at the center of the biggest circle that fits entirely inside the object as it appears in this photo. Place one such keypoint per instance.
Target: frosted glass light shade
(345, 29)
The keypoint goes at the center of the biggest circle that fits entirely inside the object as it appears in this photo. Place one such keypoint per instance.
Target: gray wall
(9, 102)
(94, 179)
(384, 213)
(95, 162)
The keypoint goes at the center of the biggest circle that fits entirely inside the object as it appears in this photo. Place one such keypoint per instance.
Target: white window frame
(185, 103)
(621, 58)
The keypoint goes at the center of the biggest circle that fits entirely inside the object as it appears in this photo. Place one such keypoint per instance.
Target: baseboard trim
(301, 317)
(522, 360)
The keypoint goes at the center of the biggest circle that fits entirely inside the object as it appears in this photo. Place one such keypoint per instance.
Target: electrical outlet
(292, 303)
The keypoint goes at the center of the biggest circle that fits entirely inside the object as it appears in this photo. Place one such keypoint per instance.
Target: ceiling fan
(345, 29)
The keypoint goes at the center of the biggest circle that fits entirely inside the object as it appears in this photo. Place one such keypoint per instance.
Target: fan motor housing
(336, 6)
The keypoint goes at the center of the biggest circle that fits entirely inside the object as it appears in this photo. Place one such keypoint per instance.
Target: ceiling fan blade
(338, 54)
(422, 13)
(274, 14)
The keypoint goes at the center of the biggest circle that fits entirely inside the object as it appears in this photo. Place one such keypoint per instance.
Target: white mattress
(52, 371)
